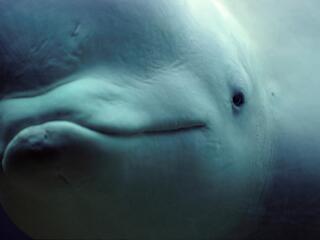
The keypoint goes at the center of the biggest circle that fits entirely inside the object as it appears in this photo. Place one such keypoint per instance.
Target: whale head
(129, 119)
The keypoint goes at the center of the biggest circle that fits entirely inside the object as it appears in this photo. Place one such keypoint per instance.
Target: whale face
(123, 119)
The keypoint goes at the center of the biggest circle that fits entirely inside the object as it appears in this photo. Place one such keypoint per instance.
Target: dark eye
(238, 99)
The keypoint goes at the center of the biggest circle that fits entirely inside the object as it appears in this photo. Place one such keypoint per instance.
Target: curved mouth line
(175, 130)
(183, 128)
(152, 131)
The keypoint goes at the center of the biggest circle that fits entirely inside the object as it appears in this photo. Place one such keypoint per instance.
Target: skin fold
(118, 120)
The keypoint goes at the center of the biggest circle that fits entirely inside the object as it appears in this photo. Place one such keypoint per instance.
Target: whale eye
(238, 99)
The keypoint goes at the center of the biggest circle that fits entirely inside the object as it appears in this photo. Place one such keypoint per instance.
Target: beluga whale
(130, 119)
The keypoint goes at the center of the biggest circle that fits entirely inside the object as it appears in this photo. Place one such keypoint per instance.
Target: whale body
(130, 119)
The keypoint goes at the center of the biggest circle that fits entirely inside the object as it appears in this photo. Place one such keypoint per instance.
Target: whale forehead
(45, 41)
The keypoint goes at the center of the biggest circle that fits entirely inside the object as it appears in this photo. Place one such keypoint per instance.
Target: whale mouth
(34, 139)
(160, 129)
(90, 107)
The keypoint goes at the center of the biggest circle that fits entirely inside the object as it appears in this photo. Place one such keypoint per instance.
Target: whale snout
(56, 151)
(30, 144)
(72, 131)
(37, 146)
